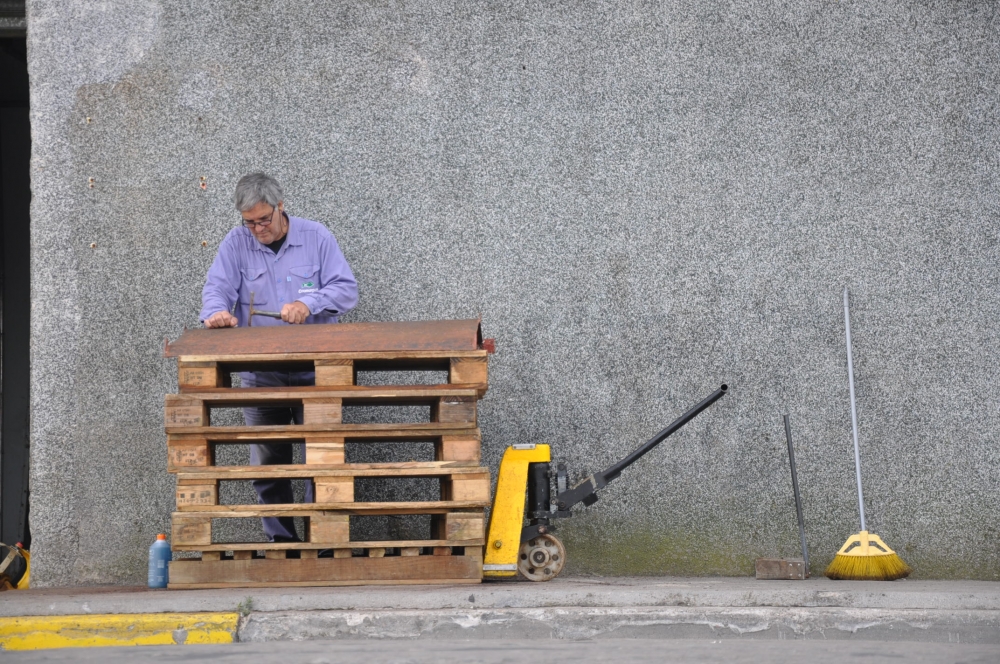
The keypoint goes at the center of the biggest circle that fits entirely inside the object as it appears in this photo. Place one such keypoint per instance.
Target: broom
(864, 557)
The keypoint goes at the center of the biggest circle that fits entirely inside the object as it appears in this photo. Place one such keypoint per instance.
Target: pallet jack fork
(530, 549)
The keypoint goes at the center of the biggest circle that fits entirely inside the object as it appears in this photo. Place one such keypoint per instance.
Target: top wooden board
(387, 337)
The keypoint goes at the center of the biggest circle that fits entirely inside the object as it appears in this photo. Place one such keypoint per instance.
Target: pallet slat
(378, 432)
(297, 546)
(262, 573)
(321, 509)
(445, 469)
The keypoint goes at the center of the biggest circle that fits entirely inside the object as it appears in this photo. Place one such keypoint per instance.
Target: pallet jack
(530, 550)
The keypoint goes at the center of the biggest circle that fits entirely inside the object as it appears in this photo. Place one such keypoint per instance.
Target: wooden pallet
(194, 447)
(206, 359)
(322, 405)
(468, 368)
(345, 571)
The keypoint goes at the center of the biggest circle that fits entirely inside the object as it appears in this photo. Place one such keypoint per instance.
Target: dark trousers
(270, 492)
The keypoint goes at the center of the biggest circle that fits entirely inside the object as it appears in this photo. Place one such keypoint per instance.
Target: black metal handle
(616, 470)
(586, 491)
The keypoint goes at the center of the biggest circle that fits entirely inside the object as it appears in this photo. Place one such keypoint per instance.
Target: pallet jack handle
(586, 491)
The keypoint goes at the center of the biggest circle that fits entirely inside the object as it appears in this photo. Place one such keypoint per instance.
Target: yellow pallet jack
(519, 537)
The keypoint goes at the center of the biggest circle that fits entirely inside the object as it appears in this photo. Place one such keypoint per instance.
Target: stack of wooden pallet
(206, 359)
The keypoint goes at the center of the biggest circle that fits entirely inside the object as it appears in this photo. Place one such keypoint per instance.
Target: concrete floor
(522, 651)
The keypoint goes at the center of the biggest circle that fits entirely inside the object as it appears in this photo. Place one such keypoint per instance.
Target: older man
(291, 265)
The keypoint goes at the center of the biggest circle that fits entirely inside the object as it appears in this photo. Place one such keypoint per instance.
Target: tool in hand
(532, 550)
(258, 312)
(864, 556)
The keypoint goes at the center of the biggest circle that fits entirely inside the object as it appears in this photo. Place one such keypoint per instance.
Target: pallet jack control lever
(586, 491)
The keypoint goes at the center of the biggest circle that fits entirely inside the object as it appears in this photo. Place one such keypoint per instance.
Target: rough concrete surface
(586, 593)
(643, 200)
(516, 651)
(570, 609)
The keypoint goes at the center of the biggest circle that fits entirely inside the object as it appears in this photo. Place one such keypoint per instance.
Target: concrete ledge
(42, 632)
(628, 623)
(571, 591)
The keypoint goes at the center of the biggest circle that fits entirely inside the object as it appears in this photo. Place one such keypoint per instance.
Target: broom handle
(854, 409)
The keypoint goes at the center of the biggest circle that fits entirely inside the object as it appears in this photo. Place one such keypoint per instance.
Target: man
(292, 265)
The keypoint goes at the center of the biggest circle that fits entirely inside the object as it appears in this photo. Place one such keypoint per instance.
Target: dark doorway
(15, 293)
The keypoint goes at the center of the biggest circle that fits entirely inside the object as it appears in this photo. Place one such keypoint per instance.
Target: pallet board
(194, 447)
(470, 372)
(322, 405)
(262, 573)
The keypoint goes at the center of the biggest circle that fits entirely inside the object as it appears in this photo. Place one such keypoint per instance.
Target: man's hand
(221, 319)
(295, 313)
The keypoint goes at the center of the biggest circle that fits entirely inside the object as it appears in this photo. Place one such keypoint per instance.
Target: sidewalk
(569, 608)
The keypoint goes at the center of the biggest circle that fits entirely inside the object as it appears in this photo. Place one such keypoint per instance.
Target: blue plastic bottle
(159, 556)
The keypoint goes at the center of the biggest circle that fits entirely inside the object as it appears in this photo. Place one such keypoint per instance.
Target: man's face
(264, 213)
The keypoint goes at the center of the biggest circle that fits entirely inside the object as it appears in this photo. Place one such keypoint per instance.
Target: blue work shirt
(309, 268)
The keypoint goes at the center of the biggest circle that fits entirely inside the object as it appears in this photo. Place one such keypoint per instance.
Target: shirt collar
(293, 237)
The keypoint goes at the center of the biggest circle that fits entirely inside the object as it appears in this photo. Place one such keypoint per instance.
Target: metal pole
(854, 409)
(798, 498)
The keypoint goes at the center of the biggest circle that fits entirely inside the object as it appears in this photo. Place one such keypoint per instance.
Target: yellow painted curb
(138, 629)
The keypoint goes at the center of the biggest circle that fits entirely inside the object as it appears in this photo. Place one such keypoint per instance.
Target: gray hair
(257, 187)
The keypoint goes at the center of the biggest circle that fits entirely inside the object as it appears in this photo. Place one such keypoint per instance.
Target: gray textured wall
(643, 200)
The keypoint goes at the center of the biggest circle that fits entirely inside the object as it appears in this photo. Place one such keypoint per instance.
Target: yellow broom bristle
(877, 567)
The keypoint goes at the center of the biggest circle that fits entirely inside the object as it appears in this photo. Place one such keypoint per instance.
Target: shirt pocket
(254, 281)
(303, 279)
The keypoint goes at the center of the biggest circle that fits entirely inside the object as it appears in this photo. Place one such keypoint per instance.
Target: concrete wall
(643, 200)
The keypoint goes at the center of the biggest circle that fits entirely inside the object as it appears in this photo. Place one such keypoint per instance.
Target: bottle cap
(161, 536)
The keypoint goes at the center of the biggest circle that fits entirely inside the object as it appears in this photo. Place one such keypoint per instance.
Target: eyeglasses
(252, 225)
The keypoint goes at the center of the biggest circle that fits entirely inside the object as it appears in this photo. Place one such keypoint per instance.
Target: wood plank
(271, 358)
(334, 489)
(470, 370)
(460, 526)
(384, 336)
(334, 372)
(196, 492)
(329, 529)
(315, 509)
(188, 453)
(376, 552)
(466, 488)
(442, 551)
(309, 553)
(409, 551)
(353, 394)
(199, 375)
(211, 555)
(190, 530)
(405, 469)
(454, 409)
(289, 546)
(242, 555)
(324, 584)
(342, 553)
(458, 448)
(274, 554)
(321, 411)
(781, 568)
(183, 411)
(380, 432)
(324, 450)
(325, 571)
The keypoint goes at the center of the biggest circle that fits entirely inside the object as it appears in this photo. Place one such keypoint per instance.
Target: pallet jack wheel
(541, 558)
